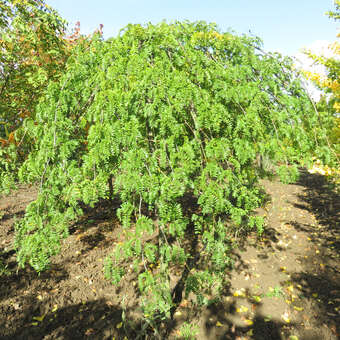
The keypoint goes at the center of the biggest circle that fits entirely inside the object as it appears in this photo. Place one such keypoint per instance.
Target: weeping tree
(170, 120)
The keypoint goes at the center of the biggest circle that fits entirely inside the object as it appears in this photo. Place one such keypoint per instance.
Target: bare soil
(284, 284)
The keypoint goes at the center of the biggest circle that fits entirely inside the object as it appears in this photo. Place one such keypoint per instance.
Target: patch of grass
(188, 331)
(3, 269)
(276, 292)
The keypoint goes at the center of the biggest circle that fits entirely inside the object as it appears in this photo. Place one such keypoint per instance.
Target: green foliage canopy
(158, 116)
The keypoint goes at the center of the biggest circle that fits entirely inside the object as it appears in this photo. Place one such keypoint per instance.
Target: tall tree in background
(330, 84)
(34, 50)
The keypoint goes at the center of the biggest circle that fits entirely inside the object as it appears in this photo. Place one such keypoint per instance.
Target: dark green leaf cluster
(172, 119)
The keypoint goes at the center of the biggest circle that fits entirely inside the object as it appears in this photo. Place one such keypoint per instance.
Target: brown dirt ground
(284, 284)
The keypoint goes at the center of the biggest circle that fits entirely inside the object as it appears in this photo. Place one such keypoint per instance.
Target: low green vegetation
(188, 331)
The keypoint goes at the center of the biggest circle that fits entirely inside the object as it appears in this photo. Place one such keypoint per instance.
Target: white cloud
(318, 47)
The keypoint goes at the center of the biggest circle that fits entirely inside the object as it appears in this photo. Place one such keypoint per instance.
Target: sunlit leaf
(242, 309)
(39, 318)
(285, 317)
(249, 322)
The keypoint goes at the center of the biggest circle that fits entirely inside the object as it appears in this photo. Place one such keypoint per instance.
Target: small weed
(188, 331)
(3, 269)
(275, 292)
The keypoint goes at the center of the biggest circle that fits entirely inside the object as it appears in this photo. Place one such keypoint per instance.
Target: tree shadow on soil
(20, 280)
(33, 313)
(91, 320)
(261, 328)
(324, 203)
(319, 284)
(321, 279)
(96, 223)
(17, 215)
(99, 319)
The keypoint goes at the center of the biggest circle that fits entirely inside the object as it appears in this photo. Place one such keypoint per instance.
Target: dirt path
(283, 285)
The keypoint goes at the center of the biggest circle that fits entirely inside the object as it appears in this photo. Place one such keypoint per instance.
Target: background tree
(329, 83)
(34, 50)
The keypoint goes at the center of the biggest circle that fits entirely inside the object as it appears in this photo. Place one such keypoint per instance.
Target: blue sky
(284, 25)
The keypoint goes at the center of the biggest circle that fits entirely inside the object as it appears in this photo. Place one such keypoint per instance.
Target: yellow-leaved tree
(329, 83)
